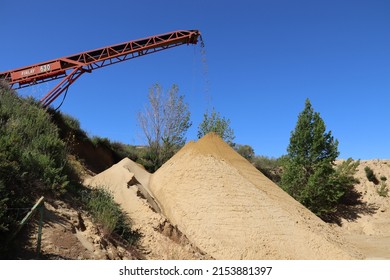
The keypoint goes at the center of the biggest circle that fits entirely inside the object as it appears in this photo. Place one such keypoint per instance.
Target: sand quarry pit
(222, 208)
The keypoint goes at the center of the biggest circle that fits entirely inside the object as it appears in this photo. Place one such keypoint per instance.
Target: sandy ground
(71, 234)
(230, 210)
(368, 227)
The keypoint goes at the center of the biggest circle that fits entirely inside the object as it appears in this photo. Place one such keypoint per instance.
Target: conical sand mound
(230, 210)
(125, 180)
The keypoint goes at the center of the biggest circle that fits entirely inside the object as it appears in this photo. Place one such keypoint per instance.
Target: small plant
(100, 204)
(371, 175)
(108, 214)
(383, 189)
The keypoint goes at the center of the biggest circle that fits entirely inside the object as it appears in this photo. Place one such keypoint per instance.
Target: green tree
(164, 122)
(308, 174)
(213, 122)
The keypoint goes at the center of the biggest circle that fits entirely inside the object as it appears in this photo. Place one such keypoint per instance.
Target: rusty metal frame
(72, 67)
(62, 86)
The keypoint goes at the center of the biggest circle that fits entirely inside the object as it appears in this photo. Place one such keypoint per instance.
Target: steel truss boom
(70, 68)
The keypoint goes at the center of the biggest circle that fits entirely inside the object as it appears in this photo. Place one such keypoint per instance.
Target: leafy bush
(383, 190)
(123, 150)
(383, 178)
(270, 167)
(345, 172)
(246, 151)
(371, 175)
(119, 149)
(68, 126)
(71, 122)
(108, 214)
(3, 209)
(32, 156)
(100, 141)
(344, 180)
(100, 203)
(29, 138)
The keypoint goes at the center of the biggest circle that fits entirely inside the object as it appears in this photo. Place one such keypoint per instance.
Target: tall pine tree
(308, 174)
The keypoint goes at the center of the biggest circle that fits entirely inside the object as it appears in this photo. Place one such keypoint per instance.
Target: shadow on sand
(351, 208)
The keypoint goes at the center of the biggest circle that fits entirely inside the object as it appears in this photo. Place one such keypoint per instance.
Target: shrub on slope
(32, 157)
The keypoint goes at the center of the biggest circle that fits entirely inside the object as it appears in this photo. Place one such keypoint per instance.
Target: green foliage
(152, 157)
(308, 174)
(103, 210)
(71, 122)
(69, 127)
(122, 150)
(108, 214)
(213, 122)
(101, 141)
(32, 156)
(33, 162)
(119, 149)
(319, 195)
(3, 208)
(270, 167)
(30, 141)
(29, 138)
(245, 151)
(165, 122)
(371, 175)
(343, 177)
(383, 190)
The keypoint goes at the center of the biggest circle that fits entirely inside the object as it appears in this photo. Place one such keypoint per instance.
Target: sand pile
(128, 183)
(230, 210)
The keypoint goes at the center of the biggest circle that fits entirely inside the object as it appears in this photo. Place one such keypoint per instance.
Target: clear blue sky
(264, 58)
